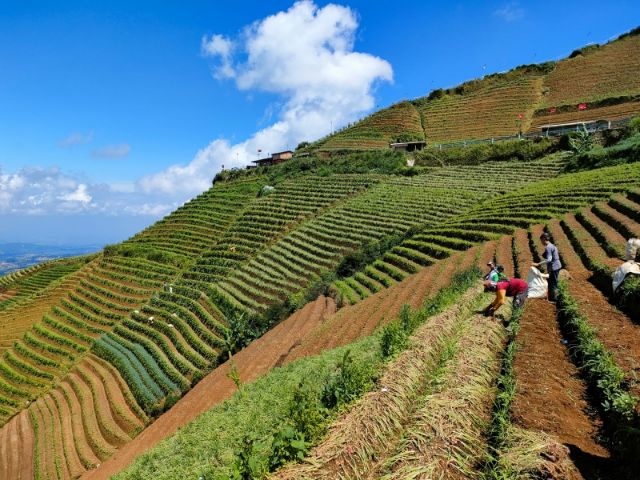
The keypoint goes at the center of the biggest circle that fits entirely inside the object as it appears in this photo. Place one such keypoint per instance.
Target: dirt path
(616, 331)
(555, 402)
(253, 361)
(504, 255)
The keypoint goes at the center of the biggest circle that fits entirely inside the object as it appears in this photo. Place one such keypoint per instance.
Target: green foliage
(347, 383)
(506, 392)
(584, 50)
(393, 340)
(368, 253)
(633, 127)
(626, 151)
(306, 412)
(249, 465)
(132, 250)
(395, 335)
(598, 365)
(288, 444)
(521, 150)
(581, 141)
(628, 296)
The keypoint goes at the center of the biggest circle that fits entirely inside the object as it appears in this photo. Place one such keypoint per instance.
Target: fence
(591, 127)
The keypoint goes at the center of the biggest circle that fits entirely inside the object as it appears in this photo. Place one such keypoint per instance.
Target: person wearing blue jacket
(551, 259)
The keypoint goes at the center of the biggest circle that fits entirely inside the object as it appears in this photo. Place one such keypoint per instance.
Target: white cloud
(80, 195)
(219, 46)
(319, 80)
(304, 54)
(112, 151)
(76, 138)
(44, 191)
(510, 12)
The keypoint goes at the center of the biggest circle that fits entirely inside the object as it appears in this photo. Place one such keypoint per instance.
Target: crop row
(607, 71)
(378, 130)
(493, 218)
(102, 298)
(82, 421)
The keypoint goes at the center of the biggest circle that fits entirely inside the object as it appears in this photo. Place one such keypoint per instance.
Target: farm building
(408, 146)
(562, 128)
(274, 159)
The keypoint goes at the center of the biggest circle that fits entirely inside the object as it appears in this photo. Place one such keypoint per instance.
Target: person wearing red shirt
(514, 287)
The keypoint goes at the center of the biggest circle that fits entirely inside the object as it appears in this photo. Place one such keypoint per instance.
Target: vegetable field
(362, 270)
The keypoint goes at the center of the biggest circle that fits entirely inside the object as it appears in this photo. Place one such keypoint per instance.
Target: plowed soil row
(17, 448)
(79, 424)
(615, 330)
(504, 255)
(551, 397)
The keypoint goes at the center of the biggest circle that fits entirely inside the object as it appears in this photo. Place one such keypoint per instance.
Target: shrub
(347, 383)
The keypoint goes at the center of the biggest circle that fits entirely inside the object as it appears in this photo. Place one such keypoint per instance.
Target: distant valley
(14, 256)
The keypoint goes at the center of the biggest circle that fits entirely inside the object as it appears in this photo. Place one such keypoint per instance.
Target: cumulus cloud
(46, 191)
(80, 195)
(306, 56)
(76, 138)
(112, 151)
(222, 47)
(510, 12)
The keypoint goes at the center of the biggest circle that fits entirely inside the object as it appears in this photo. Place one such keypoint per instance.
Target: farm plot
(398, 122)
(613, 112)
(408, 428)
(608, 71)
(23, 285)
(109, 289)
(195, 226)
(75, 426)
(490, 111)
(318, 245)
(268, 217)
(441, 238)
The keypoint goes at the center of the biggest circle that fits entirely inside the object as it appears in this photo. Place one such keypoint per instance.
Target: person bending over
(513, 287)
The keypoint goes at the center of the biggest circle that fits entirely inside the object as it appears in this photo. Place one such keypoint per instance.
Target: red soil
(255, 360)
(553, 402)
(525, 258)
(504, 255)
(610, 233)
(615, 330)
(16, 448)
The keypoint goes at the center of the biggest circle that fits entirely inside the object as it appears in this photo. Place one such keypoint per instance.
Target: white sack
(628, 267)
(633, 244)
(537, 283)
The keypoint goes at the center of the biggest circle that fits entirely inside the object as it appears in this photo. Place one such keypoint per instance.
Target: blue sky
(114, 113)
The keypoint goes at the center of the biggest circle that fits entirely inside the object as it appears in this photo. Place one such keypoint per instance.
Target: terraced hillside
(400, 122)
(412, 424)
(103, 356)
(604, 77)
(147, 319)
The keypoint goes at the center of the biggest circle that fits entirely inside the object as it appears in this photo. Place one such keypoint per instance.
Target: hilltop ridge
(503, 104)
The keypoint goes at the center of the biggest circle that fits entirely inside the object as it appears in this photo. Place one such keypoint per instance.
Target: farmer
(551, 259)
(513, 287)
(501, 276)
(493, 272)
